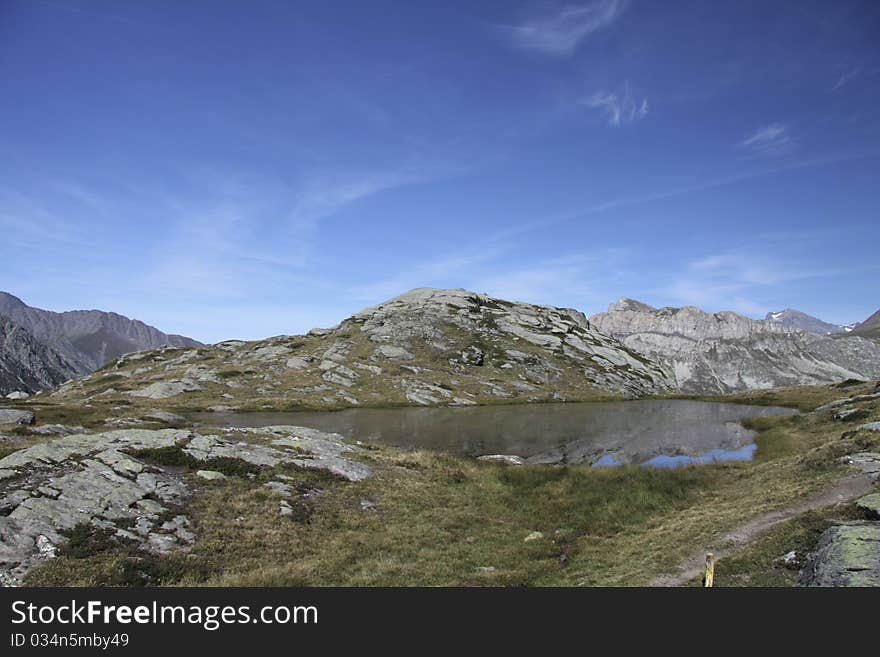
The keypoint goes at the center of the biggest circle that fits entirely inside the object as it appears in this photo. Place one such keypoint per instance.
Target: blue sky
(232, 169)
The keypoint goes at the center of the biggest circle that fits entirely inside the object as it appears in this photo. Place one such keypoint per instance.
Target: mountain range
(456, 347)
(26, 364)
(42, 348)
(727, 352)
(433, 346)
(795, 319)
(426, 347)
(870, 328)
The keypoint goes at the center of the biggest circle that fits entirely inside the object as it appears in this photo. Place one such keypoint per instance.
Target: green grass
(804, 398)
(231, 467)
(109, 378)
(171, 456)
(437, 521)
(442, 520)
(760, 563)
(86, 540)
(229, 374)
(73, 414)
(176, 457)
(95, 557)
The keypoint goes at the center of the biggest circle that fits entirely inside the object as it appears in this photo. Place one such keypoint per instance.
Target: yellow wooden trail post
(709, 577)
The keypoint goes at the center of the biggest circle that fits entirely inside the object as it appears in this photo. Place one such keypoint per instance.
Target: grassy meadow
(429, 519)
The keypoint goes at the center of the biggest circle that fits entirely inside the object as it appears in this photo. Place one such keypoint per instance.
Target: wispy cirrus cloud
(225, 240)
(36, 223)
(764, 135)
(771, 140)
(560, 32)
(449, 270)
(728, 280)
(321, 195)
(578, 279)
(620, 107)
(743, 279)
(846, 78)
(230, 230)
(623, 202)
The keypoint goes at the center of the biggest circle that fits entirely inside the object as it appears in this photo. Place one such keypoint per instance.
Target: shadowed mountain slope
(87, 338)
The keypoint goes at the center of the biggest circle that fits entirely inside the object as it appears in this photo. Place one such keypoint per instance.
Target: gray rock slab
(52, 487)
(870, 504)
(210, 475)
(848, 555)
(163, 416)
(504, 459)
(14, 416)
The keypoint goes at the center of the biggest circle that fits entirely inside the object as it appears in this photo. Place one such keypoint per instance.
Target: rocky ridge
(870, 328)
(425, 347)
(795, 319)
(719, 353)
(420, 316)
(26, 364)
(86, 338)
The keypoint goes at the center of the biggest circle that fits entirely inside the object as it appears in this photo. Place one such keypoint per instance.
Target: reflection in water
(745, 453)
(653, 432)
(605, 460)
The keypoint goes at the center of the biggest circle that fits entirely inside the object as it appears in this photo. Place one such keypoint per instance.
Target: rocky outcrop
(28, 365)
(166, 389)
(795, 319)
(867, 462)
(476, 330)
(503, 459)
(848, 555)
(455, 347)
(86, 338)
(10, 416)
(725, 352)
(100, 480)
(870, 505)
(426, 347)
(848, 401)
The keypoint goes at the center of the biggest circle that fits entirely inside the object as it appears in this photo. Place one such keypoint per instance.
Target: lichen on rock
(109, 480)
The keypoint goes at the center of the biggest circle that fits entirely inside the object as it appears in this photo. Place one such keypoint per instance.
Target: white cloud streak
(733, 279)
(771, 140)
(444, 271)
(259, 234)
(560, 33)
(620, 107)
(765, 134)
(577, 280)
(846, 78)
(323, 195)
(615, 204)
(35, 224)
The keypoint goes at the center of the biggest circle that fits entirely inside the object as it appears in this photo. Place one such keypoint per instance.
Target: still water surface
(663, 433)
